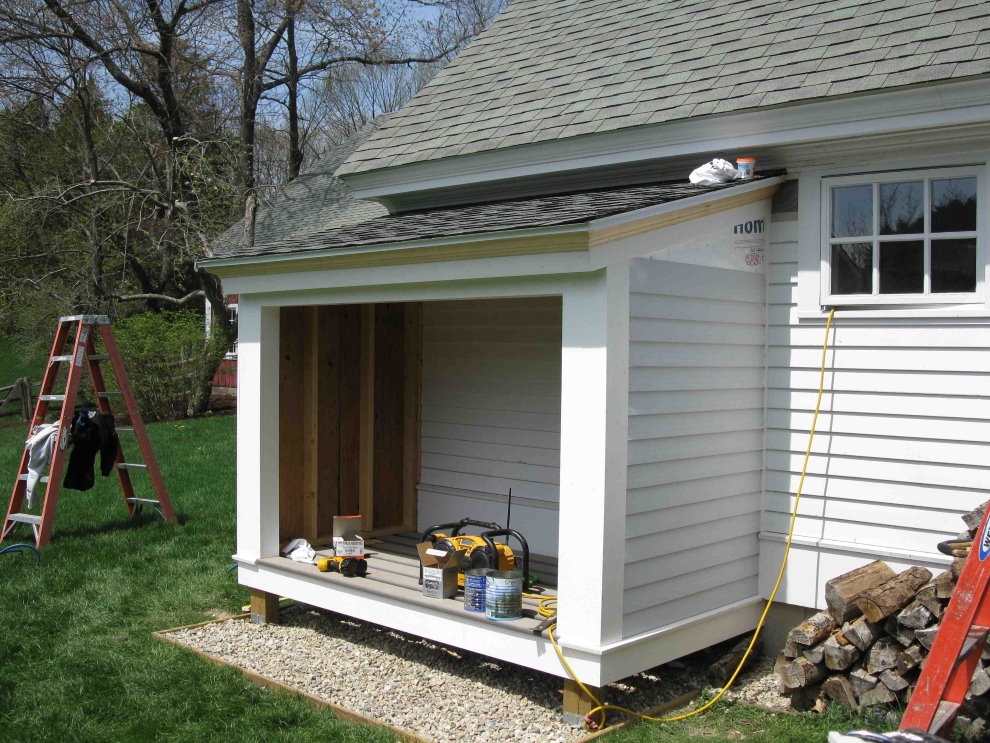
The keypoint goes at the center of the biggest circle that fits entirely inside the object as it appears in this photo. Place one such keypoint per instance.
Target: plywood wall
(349, 409)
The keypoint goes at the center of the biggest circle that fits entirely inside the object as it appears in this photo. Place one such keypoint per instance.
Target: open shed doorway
(414, 414)
(349, 379)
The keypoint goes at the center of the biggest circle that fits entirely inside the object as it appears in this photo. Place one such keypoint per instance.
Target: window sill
(976, 311)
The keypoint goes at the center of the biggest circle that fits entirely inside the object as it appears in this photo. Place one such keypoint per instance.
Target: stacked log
(869, 646)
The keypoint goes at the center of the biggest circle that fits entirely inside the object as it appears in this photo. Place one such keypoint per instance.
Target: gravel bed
(434, 690)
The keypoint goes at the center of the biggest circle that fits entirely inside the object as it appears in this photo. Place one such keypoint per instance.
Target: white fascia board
(393, 246)
(676, 206)
(917, 107)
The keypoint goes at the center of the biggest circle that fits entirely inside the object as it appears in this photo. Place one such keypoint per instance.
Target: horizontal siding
(901, 444)
(695, 441)
(491, 398)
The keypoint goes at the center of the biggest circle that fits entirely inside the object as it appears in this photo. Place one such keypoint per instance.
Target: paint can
(503, 595)
(475, 585)
(746, 167)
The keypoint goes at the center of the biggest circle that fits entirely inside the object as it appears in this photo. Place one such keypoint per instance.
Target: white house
(511, 284)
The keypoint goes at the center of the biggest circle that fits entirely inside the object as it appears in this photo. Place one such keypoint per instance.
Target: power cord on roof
(590, 723)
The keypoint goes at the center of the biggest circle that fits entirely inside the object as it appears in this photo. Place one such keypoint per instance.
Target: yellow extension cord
(602, 708)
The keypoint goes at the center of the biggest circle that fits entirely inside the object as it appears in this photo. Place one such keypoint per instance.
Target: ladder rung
(125, 429)
(25, 518)
(976, 635)
(131, 466)
(111, 393)
(152, 501)
(91, 357)
(43, 478)
(945, 712)
(52, 398)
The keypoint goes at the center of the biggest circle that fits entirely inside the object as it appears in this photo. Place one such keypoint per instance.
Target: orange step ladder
(84, 354)
(945, 677)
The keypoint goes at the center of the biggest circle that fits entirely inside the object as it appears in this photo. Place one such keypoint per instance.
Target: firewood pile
(869, 646)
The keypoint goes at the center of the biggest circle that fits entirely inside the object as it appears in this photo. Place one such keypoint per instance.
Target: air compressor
(481, 550)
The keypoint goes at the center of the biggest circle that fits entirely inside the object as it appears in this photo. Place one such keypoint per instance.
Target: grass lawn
(77, 658)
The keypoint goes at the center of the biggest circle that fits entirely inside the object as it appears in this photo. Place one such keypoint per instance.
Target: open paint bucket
(503, 596)
(475, 586)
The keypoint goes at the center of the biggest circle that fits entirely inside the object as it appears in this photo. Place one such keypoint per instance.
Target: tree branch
(160, 297)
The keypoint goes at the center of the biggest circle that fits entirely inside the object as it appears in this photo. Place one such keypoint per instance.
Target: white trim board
(915, 107)
(596, 666)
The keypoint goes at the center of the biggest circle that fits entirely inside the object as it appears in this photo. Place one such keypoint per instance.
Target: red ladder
(945, 677)
(84, 350)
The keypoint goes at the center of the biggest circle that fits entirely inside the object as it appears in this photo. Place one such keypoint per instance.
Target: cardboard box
(440, 570)
(346, 541)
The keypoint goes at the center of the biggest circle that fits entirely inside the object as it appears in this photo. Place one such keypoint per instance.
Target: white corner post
(257, 430)
(593, 453)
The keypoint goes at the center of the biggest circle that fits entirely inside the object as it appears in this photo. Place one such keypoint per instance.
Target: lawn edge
(342, 713)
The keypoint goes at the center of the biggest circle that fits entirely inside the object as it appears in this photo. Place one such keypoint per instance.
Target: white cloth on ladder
(40, 446)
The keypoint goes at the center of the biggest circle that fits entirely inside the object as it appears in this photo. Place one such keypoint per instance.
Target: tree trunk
(292, 91)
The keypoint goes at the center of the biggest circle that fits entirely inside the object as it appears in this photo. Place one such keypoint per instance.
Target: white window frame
(902, 300)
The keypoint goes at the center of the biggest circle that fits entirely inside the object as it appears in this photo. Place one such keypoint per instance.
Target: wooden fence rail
(17, 399)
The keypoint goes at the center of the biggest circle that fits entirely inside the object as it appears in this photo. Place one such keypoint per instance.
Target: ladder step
(25, 518)
(945, 712)
(131, 466)
(152, 501)
(975, 635)
(111, 393)
(52, 398)
(92, 357)
(43, 478)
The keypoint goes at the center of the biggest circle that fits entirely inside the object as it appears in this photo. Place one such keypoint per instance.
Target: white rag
(713, 173)
(40, 446)
(300, 551)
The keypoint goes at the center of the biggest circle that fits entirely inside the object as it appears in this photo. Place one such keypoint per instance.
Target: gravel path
(392, 677)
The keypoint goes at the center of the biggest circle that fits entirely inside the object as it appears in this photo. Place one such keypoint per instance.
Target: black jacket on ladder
(90, 434)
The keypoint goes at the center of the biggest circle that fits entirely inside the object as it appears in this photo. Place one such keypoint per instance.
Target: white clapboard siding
(697, 342)
(491, 413)
(901, 444)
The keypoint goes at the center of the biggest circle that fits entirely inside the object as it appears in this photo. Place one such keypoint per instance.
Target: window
(902, 238)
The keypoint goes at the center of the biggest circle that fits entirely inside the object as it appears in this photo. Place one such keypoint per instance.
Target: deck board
(393, 572)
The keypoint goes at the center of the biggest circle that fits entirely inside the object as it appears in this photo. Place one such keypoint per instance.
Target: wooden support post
(366, 450)
(577, 704)
(264, 607)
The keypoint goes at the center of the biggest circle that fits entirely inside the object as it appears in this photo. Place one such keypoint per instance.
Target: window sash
(875, 238)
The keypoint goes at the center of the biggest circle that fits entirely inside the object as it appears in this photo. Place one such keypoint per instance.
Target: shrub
(170, 363)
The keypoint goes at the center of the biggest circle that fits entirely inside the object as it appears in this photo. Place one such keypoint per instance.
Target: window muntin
(903, 235)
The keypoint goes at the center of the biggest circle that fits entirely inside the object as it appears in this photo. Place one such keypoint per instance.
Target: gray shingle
(542, 211)
(545, 58)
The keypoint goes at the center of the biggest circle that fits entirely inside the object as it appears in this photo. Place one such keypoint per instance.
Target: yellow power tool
(481, 550)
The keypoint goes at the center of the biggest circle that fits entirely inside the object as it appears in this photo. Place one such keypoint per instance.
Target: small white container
(746, 167)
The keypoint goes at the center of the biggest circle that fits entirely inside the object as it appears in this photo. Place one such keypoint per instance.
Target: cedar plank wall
(695, 441)
(901, 447)
(491, 413)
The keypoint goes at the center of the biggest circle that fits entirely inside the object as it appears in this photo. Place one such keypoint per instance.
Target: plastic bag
(300, 551)
(713, 173)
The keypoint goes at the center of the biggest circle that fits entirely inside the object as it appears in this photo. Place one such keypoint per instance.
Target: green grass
(78, 661)
(16, 362)
(730, 722)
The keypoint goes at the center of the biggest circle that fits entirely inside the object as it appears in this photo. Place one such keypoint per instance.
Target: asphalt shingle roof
(550, 69)
(473, 219)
